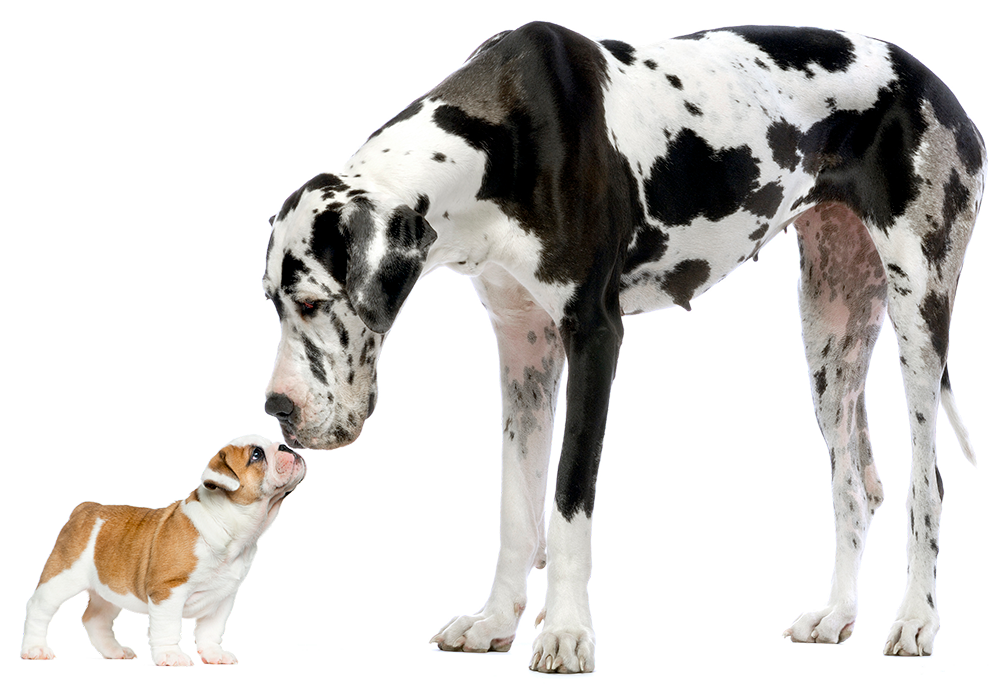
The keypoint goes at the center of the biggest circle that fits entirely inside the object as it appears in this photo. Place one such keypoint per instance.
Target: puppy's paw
(215, 655)
(40, 652)
(171, 657)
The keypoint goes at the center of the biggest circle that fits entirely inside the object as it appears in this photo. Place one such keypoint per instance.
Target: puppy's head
(252, 469)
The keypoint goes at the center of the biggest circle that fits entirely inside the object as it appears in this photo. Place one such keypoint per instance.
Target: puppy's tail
(948, 402)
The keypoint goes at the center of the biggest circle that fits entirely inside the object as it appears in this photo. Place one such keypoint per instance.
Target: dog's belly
(696, 258)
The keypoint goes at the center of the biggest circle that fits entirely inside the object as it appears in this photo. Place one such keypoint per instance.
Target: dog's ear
(377, 291)
(218, 475)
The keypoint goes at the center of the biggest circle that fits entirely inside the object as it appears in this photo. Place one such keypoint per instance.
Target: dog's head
(252, 469)
(340, 263)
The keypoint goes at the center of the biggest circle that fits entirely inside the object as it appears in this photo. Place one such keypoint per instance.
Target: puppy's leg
(531, 361)
(843, 302)
(42, 605)
(165, 630)
(98, 619)
(208, 634)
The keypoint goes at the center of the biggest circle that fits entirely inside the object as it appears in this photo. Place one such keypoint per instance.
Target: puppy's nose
(279, 405)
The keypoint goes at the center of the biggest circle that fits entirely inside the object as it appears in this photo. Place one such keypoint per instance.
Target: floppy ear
(218, 475)
(377, 291)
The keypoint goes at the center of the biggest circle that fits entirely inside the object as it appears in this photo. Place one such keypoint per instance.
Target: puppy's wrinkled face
(323, 387)
(252, 469)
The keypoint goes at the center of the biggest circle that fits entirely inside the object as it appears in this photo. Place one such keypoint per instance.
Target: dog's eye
(257, 455)
(308, 308)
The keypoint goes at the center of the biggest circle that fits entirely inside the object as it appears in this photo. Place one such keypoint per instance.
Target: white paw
(122, 653)
(171, 657)
(564, 650)
(215, 655)
(833, 624)
(913, 636)
(481, 632)
(42, 652)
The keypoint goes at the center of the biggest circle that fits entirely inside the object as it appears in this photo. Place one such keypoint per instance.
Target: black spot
(682, 281)
(675, 82)
(322, 181)
(650, 245)
(291, 270)
(759, 233)
(423, 204)
(784, 141)
(694, 180)
(651, 64)
(930, 600)
(439, 157)
(920, 418)
(819, 379)
(934, 546)
(411, 111)
(798, 48)
(940, 483)
(623, 52)
(693, 109)
(936, 313)
(896, 269)
(328, 244)
(937, 243)
(315, 357)
(765, 201)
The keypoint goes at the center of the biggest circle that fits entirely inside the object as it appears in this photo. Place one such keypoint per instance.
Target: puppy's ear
(377, 291)
(218, 475)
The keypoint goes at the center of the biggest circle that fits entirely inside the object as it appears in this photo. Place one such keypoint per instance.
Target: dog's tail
(950, 408)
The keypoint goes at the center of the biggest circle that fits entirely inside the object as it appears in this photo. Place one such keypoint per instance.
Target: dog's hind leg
(923, 253)
(98, 619)
(842, 300)
(531, 362)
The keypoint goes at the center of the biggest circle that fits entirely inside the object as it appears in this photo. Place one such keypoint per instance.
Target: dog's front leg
(566, 644)
(531, 362)
(208, 634)
(165, 630)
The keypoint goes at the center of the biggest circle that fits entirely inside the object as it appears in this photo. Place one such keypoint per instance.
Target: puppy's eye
(308, 308)
(257, 455)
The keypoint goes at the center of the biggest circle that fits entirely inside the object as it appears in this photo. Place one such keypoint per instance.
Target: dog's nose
(279, 405)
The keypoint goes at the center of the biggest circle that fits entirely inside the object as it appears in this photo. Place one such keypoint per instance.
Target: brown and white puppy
(184, 560)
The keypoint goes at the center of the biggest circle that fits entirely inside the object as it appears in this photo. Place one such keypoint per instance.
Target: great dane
(577, 181)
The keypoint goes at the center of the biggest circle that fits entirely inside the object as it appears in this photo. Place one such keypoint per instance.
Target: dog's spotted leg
(531, 362)
(593, 336)
(842, 299)
(923, 253)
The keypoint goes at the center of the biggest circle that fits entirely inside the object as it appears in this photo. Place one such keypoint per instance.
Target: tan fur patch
(71, 542)
(236, 461)
(145, 552)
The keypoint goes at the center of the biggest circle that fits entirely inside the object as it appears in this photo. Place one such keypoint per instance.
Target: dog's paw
(215, 655)
(171, 657)
(40, 652)
(833, 624)
(913, 635)
(481, 632)
(122, 653)
(564, 650)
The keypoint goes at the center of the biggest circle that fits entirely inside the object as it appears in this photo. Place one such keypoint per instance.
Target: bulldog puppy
(184, 560)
